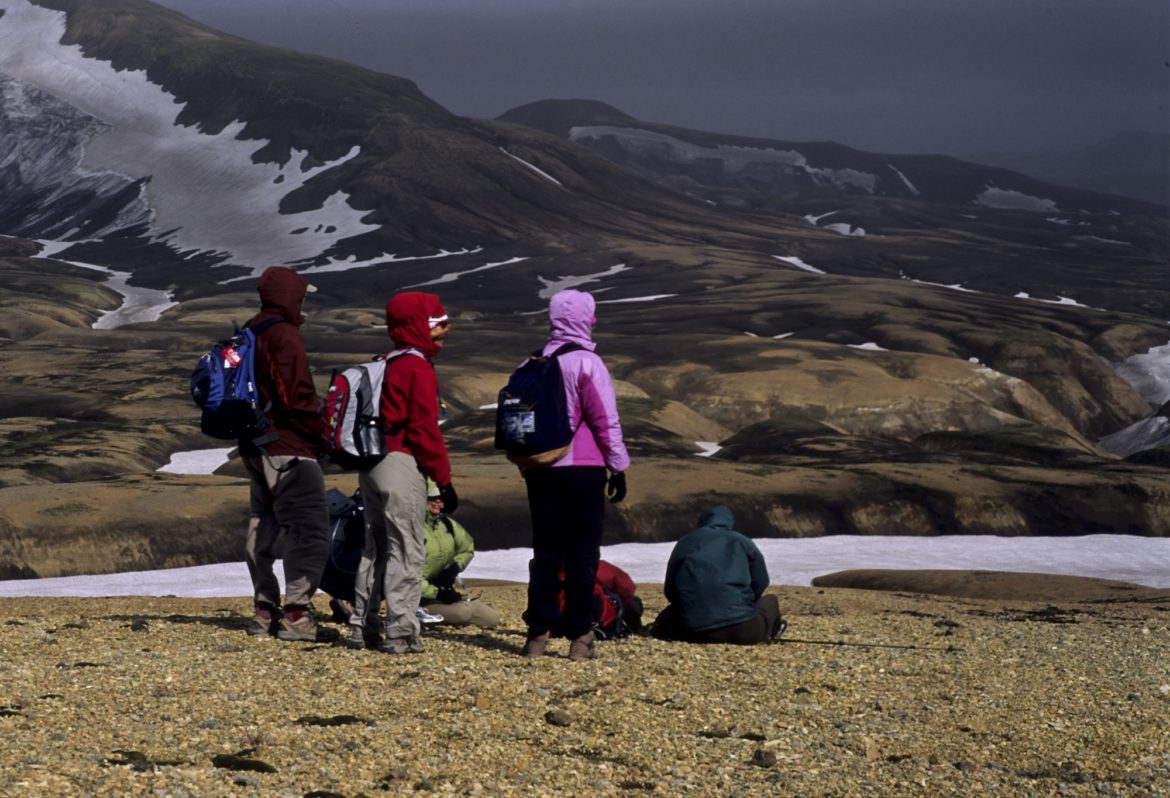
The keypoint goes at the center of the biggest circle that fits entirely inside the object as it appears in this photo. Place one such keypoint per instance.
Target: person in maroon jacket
(287, 486)
(395, 490)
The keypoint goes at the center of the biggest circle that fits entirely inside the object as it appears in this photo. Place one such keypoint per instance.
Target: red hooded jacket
(610, 579)
(282, 367)
(410, 399)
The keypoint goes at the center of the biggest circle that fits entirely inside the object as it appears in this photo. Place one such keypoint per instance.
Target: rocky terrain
(872, 694)
(951, 370)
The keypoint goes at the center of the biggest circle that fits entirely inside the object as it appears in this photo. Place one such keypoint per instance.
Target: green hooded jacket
(445, 547)
(715, 574)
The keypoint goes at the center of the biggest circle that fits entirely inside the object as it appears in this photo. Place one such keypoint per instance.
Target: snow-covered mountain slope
(125, 119)
(692, 159)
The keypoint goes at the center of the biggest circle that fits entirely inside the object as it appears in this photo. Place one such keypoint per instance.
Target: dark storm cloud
(889, 75)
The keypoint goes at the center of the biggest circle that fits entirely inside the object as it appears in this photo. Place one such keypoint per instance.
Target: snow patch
(905, 180)
(1148, 373)
(792, 260)
(708, 448)
(536, 169)
(350, 263)
(204, 191)
(845, 229)
(451, 277)
(790, 561)
(1007, 199)
(551, 286)
(868, 345)
(647, 298)
(732, 158)
(199, 461)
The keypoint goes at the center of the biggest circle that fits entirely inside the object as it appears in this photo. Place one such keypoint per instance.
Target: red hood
(407, 315)
(282, 289)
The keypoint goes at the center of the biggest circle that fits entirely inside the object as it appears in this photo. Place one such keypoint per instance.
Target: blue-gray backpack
(532, 420)
(223, 384)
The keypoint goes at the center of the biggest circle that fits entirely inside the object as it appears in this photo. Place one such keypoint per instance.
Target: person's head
(571, 315)
(717, 516)
(284, 290)
(434, 499)
(417, 319)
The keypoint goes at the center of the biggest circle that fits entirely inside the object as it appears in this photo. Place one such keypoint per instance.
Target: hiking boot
(780, 628)
(582, 648)
(401, 645)
(300, 625)
(263, 623)
(357, 638)
(341, 610)
(535, 645)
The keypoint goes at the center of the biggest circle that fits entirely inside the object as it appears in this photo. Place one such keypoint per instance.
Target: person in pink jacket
(567, 499)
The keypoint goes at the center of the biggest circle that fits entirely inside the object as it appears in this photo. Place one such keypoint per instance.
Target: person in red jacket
(617, 609)
(395, 490)
(287, 486)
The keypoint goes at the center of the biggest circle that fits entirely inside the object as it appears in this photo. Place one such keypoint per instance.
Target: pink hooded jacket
(589, 394)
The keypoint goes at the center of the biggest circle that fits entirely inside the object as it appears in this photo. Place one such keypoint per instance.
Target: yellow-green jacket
(448, 544)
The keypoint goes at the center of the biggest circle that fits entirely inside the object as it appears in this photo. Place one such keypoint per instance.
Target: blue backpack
(532, 421)
(223, 384)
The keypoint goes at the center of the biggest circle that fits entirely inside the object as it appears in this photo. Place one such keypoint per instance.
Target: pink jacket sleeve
(593, 405)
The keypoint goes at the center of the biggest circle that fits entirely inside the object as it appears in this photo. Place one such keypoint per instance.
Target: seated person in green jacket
(715, 582)
(449, 550)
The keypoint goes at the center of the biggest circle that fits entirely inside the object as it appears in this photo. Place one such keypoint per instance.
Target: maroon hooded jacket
(282, 367)
(410, 400)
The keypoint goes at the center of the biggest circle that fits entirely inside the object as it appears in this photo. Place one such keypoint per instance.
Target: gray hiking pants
(287, 496)
(395, 496)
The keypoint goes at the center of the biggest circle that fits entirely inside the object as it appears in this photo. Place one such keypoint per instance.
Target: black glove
(450, 499)
(446, 577)
(616, 488)
(449, 595)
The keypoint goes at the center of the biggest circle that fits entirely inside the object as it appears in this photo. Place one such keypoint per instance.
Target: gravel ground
(874, 693)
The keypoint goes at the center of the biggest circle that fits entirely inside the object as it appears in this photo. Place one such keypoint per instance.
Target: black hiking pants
(568, 510)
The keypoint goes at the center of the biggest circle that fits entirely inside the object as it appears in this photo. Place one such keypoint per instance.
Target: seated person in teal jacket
(449, 550)
(715, 582)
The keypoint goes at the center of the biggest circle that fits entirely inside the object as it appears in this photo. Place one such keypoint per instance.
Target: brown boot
(535, 644)
(582, 647)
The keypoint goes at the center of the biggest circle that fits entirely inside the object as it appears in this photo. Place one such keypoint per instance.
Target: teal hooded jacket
(715, 574)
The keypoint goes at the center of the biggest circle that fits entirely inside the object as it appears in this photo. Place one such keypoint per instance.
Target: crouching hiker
(715, 582)
(287, 486)
(449, 550)
(394, 490)
(617, 608)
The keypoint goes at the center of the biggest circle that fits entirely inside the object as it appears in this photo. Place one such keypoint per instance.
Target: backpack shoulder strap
(560, 350)
(397, 353)
(264, 325)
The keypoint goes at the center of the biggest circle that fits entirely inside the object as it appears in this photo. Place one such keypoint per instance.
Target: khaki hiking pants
(395, 496)
(287, 496)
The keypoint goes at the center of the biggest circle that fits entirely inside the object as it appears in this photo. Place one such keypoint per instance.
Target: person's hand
(616, 487)
(449, 595)
(450, 499)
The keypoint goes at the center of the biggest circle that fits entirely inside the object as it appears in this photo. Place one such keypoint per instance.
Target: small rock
(558, 717)
(966, 767)
(764, 758)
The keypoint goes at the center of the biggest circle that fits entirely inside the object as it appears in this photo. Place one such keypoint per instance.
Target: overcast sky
(949, 76)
